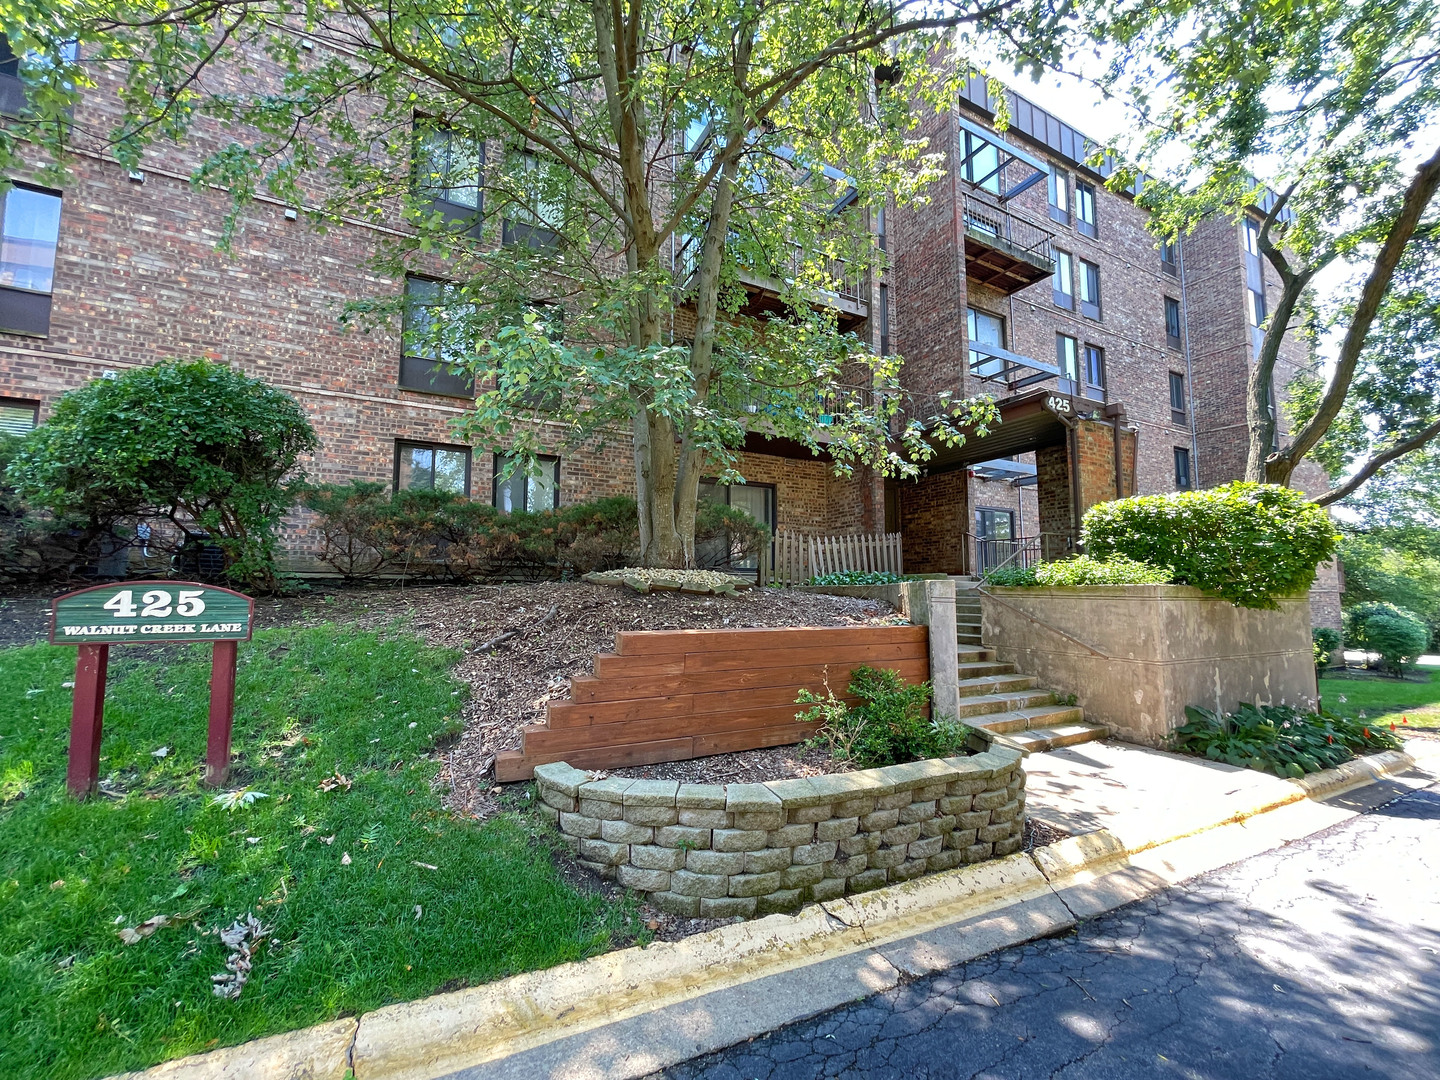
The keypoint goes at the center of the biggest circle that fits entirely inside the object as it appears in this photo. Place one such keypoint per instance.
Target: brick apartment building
(1118, 366)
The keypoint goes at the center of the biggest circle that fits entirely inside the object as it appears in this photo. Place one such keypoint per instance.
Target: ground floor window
(432, 467)
(18, 417)
(1182, 468)
(539, 490)
(758, 500)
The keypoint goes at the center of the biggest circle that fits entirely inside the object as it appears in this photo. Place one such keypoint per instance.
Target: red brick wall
(934, 517)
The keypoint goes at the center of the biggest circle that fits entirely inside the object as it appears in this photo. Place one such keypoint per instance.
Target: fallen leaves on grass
(242, 938)
(234, 800)
(331, 783)
(131, 935)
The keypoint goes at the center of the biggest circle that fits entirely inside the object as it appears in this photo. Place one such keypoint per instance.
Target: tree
(638, 159)
(192, 442)
(1335, 104)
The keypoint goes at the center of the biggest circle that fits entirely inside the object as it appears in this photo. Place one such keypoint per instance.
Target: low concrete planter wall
(1135, 655)
(744, 849)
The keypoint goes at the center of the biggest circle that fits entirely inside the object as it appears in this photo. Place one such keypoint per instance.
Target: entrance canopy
(1028, 422)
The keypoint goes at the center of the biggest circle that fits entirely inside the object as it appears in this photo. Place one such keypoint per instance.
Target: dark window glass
(1063, 284)
(1172, 322)
(1095, 369)
(1177, 397)
(537, 220)
(884, 320)
(18, 417)
(1085, 210)
(994, 536)
(436, 338)
(982, 163)
(521, 491)
(1089, 290)
(29, 238)
(448, 166)
(1170, 257)
(757, 500)
(1251, 233)
(1255, 306)
(432, 467)
(880, 238)
(984, 329)
(1182, 468)
(1067, 359)
(1059, 195)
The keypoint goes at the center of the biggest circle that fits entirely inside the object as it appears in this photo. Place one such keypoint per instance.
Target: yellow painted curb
(321, 1052)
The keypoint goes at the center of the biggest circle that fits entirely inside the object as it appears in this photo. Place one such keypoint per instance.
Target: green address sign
(140, 612)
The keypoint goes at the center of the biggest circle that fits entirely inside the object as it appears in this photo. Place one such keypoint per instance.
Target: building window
(1177, 397)
(1085, 210)
(535, 222)
(1059, 195)
(535, 491)
(1251, 233)
(984, 329)
(1255, 306)
(1172, 322)
(757, 500)
(1089, 290)
(880, 238)
(1182, 469)
(449, 167)
(1063, 286)
(884, 319)
(29, 236)
(18, 417)
(436, 339)
(1170, 257)
(994, 537)
(1067, 359)
(1095, 371)
(423, 466)
(981, 166)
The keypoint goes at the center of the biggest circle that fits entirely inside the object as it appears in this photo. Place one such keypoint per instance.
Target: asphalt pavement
(1317, 961)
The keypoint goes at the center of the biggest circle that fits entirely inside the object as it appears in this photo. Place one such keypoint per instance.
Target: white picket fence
(798, 557)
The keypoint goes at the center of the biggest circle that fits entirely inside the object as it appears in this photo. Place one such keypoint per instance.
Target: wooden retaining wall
(668, 695)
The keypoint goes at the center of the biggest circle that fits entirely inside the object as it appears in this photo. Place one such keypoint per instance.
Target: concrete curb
(630, 1012)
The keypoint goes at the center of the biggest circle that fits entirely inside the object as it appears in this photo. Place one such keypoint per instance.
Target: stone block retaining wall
(744, 849)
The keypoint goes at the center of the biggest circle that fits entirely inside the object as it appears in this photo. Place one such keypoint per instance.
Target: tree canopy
(1334, 105)
(593, 184)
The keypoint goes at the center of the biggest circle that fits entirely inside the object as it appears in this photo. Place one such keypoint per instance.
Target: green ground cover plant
(1279, 739)
(887, 727)
(1248, 543)
(862, 577)
(1081, 570)
(331, 835)
(1410, 702)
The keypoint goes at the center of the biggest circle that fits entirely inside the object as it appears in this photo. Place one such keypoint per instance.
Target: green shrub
(1278, 739)
(887, 728)
(1081, 570)
(189, 442)
(1326, 641)
(725, 536)
(1249, 543)
(1396, 634)
(861, 577)
(1019, 577)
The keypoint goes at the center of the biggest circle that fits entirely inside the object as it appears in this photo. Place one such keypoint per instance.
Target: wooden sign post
(146, 613)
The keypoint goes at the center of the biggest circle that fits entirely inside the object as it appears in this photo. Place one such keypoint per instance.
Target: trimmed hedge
(1248, 543)
(1081, 570)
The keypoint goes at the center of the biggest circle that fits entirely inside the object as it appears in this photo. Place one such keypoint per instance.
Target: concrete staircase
(995, 696)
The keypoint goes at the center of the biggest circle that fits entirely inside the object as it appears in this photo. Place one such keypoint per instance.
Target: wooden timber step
(996, 684)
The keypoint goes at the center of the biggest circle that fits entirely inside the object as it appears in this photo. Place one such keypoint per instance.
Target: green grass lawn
(1385, 701)
(344, 936)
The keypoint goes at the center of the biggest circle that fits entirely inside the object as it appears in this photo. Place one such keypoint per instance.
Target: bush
(366, 531)
(186, 442)
(1249, 543)
(1326, 642)
(887, 728)
(35, 546)
(1278, 739)
(726, 537)
(1396, 634)
(861, 577)
(1081, 570)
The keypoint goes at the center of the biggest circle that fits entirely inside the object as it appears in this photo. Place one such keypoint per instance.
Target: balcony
(1002, 249)
(995, 364)
(765, 283)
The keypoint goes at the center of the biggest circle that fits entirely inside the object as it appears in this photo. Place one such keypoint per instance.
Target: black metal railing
(1005, 230)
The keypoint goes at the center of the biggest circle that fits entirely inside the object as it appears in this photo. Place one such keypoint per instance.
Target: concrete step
(974, 655)
(976, 669)
(996, 684)
(986, 705)
(968, 641)
(1038, 740)
(1038, 716)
